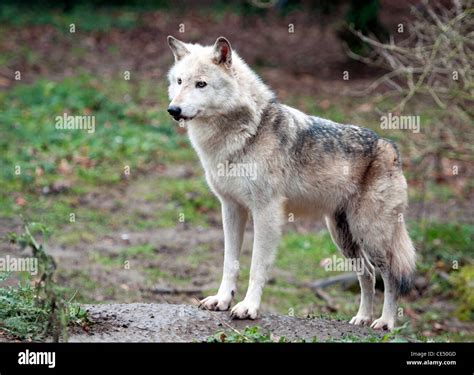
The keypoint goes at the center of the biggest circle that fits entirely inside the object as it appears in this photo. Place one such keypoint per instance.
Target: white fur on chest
(226, 175)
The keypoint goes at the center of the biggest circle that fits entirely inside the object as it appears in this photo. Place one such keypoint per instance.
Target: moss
(463, 281)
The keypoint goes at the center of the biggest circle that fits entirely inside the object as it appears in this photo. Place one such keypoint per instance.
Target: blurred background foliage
(161, 216)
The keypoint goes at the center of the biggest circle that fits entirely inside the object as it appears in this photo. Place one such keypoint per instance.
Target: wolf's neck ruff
(228, 133)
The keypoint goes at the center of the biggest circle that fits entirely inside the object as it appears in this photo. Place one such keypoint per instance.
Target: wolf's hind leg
(390, 249)
(367, 287)
(234, 218)
(342, 236)
(389, 311)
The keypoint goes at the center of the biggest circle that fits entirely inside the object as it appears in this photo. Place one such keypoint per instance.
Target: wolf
(302, 165)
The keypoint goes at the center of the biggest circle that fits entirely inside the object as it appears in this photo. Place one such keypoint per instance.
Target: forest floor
(127, 242)
(139, 322)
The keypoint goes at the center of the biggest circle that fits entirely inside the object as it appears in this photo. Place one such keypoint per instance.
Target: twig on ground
(345, 278)
(327, 298)
(167, 290)
(221, 321)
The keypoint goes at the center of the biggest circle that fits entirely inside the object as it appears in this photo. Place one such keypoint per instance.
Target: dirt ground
(139, 322)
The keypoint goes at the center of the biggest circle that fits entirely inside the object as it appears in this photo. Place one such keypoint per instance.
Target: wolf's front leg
(267, 232)
(234, 218)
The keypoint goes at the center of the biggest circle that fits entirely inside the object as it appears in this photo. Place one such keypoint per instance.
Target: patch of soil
(140, 322)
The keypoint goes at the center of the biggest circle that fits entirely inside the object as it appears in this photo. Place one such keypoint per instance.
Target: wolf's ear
(222, 52)
(178, 47)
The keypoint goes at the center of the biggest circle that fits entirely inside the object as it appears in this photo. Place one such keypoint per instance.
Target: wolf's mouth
(185, 118)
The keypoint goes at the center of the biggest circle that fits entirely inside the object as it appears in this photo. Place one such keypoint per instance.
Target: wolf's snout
(174, 111)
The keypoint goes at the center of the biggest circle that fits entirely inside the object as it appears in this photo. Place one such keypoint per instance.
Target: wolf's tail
(402, 262)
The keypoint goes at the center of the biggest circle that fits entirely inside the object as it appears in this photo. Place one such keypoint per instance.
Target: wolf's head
(201, 82)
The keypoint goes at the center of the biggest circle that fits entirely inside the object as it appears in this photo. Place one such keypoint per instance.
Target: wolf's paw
(216, 303)
(244, 310)
(361, 320)
(384, 324)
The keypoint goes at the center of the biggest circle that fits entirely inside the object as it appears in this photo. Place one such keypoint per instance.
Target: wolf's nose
(174, 110)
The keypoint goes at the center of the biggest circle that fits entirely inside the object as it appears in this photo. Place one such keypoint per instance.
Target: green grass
(434, 192)
(38, 307)
(187, 199)
(256, 334)
(104, 18)
(333, 112)
(444, 248)
(200, 254)
(248, 335)
(463, 282)
(125, 135)
(442, 242)
(23, 315)
(145, 250)
(20, 315)
(81, 284)
(140, 252)
(299, 257)
(303, 253)
(156, 275)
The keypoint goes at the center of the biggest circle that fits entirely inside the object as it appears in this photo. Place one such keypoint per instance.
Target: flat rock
(139, 322)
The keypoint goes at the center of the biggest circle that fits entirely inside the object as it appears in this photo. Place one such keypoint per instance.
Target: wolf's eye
(201, 84)
(179, 81)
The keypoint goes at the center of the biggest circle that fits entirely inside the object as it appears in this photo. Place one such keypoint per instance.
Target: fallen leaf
(83, 161)
(20, 201)
(325, 104)
(64, 167)
(364, 108)
(39, 171)
(4, 82)
(60, 186)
